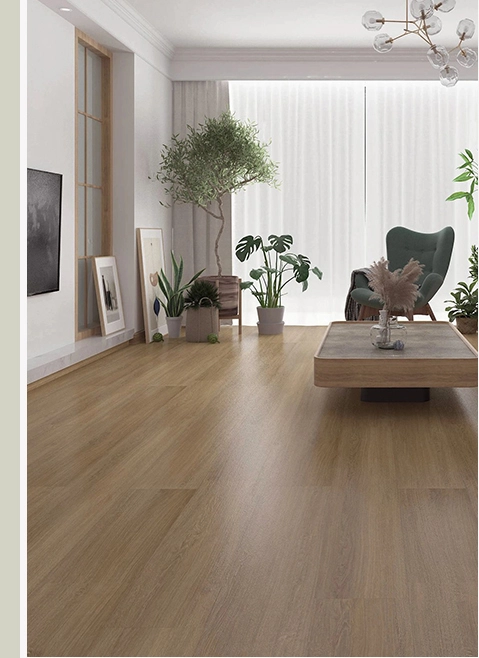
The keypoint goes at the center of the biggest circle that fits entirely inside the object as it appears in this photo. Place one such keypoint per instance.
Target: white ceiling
(287, 23)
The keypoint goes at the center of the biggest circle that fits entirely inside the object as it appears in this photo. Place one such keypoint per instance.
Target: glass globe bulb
(382, 43)
(433, 25)
(448, 76)
(422, 9)
(466, 57)
(445, 5)
(372, 20)
(465, 28)
(438, 56)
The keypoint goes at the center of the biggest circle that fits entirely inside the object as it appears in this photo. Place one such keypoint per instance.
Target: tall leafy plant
(469, 173)
(278, 269)
(220, 157)
(173, 301)
(465, 296)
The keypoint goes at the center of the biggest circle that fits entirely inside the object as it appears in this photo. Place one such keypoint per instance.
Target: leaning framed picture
(44, 209)
(151, 259)
(107, 286)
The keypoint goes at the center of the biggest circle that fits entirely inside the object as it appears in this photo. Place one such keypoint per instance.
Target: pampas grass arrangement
(396, 290)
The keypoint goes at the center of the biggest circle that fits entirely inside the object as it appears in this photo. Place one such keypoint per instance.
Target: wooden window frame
(106, 91)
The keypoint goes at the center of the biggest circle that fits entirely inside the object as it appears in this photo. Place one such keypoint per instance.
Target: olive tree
(221, 156)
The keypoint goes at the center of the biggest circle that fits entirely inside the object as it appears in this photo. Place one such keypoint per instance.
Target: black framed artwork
(44, 201)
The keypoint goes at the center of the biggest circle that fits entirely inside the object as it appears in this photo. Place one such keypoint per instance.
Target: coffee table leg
(395, 394)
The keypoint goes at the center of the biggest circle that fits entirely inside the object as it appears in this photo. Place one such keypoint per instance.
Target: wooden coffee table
(436, 355)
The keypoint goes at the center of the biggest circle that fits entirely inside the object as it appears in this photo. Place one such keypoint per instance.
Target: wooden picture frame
(151, 259)
(108, 295)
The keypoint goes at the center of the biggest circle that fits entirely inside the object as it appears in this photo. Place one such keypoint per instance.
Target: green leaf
(463, 177)
(289, 258)
(246, 246)
(281, 243)
(318, 272)
(301, 272)
(257, 274)
(457, 195)
(470, 207)
(246, 284)
(469, 154)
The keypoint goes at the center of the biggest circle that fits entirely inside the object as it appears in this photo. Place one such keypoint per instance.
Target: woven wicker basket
(200, 323)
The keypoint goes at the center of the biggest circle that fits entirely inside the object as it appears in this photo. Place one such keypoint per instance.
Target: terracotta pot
(270, 320)
(466, 325)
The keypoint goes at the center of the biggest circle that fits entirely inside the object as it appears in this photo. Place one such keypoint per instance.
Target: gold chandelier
(425, 24)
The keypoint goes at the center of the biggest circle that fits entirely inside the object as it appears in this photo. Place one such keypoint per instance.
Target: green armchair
(434, 250)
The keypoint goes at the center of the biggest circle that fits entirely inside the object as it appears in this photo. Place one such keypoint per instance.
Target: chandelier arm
(459, 45)
(407, 15)
(426, 38)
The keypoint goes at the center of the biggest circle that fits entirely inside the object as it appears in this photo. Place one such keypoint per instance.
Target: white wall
(51, 147)
(142, 122)
(153, 128)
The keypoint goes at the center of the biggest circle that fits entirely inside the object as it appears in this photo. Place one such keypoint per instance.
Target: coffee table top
(436, 354)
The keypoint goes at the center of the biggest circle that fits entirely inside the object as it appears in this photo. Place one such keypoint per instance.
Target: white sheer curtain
(355, 159)
(316, 133)
(415, 131)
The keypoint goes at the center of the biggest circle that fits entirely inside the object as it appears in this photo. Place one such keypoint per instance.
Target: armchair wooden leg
(431, 314)
(362, 311)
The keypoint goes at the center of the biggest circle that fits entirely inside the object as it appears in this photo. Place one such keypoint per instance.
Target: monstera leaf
(280, 243)
(247, 246)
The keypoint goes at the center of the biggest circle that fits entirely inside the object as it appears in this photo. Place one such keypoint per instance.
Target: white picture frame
(151, 259)
(107, 285)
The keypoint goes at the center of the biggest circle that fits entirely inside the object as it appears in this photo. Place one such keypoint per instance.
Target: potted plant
(173, 300)
(280, 266)
(464, 307)
(220, 157)
(464, 302)
(202, 315)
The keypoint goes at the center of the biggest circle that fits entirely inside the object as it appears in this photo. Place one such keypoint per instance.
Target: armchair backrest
(432, 249)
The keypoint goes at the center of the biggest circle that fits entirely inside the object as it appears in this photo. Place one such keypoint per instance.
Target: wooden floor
(207, 500)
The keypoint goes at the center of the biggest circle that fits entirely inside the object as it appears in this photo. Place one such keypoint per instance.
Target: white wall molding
(304, 63)
(141, 25)
(295, 54)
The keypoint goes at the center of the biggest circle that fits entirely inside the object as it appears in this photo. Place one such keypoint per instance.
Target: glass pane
(81, 78)
(93, 317)
(81, 148)
(81, 295)
(81, 221)
(94, 223)
(93, 152)
(93, 93)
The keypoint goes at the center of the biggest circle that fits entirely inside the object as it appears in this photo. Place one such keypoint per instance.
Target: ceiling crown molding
(296, 55)
(125, 11)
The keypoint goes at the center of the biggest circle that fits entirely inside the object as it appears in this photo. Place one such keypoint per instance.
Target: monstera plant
(280, 267)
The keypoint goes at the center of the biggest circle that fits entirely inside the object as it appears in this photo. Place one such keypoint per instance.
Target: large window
(355, 159)
(93, 171)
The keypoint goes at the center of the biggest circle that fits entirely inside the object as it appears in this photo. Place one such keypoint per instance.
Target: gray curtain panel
(194, 231)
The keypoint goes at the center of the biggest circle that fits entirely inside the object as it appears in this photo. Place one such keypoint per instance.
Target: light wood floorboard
(207, 500)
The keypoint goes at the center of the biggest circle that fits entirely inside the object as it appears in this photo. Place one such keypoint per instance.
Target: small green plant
(469, 174)
(213, 338)
(202, 293)
(464, 301)
(279, 268)
(473, 263)
(173, 300)
(158, 337)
